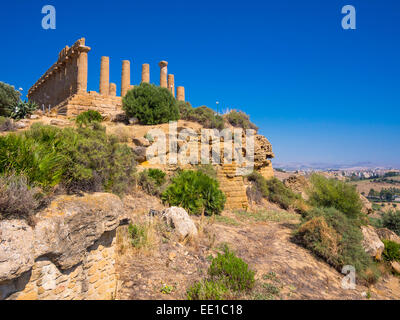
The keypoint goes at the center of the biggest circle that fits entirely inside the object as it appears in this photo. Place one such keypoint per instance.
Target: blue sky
(318, 93)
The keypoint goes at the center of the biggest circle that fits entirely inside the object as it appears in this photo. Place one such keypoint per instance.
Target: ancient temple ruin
(63, 88)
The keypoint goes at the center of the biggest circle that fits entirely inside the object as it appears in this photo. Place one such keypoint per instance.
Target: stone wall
(106, 105)
(69, 253)
(64, 78)
(232, 185)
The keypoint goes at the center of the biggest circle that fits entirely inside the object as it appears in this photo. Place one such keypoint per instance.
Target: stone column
(126, 77)
(104, 76)
(113, 89)
(146, 73)
(163, 74)
(171, 84)
(82, 69)
(180, 94)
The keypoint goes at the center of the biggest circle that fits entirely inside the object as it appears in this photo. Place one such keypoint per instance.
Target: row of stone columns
(166, 80)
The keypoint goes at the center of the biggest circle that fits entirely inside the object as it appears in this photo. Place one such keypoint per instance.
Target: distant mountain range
(323, 166)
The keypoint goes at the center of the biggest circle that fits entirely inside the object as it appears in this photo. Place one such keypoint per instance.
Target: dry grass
(121, 131)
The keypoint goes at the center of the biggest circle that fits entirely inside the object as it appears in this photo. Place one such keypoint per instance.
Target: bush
(196, 192)
(9, 97)
(273, 190)
(203, 115)
(152, 180)
(88, 117)
(337, 194)
(333, 236)
(391, 220)
(392, 251)
(6, 124)
(83, 159)
(150, 104)
(23, 109)
(240, 119)
(138, 235)
(232, 271)
(17, 198)
(207, 290)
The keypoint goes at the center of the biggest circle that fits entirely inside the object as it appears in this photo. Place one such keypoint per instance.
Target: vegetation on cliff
(83, 159)
(150, 104)
(207, 117)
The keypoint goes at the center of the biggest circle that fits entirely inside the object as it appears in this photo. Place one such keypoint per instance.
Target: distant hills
(323, 166)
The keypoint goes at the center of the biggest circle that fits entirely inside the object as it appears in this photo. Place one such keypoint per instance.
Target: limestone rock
(371, 243)
(71, 224)
(141, 142)
(262, 151)
(367, 206)
(298, 184)
(395, 266)
(386, 234)
(20, 125)
(179, 219)
(139, 154)
(16, 248)
(59, 122)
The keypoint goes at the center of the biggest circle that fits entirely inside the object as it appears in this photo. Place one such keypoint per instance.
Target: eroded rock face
(262, 151)
(71, 224)
(179, 219)
(367, 206)
(298, 184)
(62, 233)
(371, 243)
(16, 248)
(386, 234)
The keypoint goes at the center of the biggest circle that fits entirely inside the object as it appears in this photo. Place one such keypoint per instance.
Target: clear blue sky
(318, 92)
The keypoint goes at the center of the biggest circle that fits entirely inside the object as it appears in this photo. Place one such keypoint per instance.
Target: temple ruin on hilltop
(63, 87)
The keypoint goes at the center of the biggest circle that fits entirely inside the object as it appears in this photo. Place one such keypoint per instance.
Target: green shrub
(38, 161)
(196, 192)
(9, 97)
(150, 104)
(83, 159)
(203, 115)
(17, 198)
(272, 189)
(88, 117)
(138, 235)
(152, 180)
(207, 290)
(6, 124)
(337, 194)
(333, 236)
(392, 251)
(391, 220)
(240, 119)
(23, 109)
(157, 175)
(232, 271)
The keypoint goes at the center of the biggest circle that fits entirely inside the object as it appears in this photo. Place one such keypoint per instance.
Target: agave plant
(22, 109)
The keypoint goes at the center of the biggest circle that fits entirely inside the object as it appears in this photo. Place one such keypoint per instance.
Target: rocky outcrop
(371, 242)
(71, 236)
(366, 205)
(298, 184)
(386, 234)
(179, 219)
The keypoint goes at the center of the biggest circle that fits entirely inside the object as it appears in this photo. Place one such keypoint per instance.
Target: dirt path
(283, 269)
